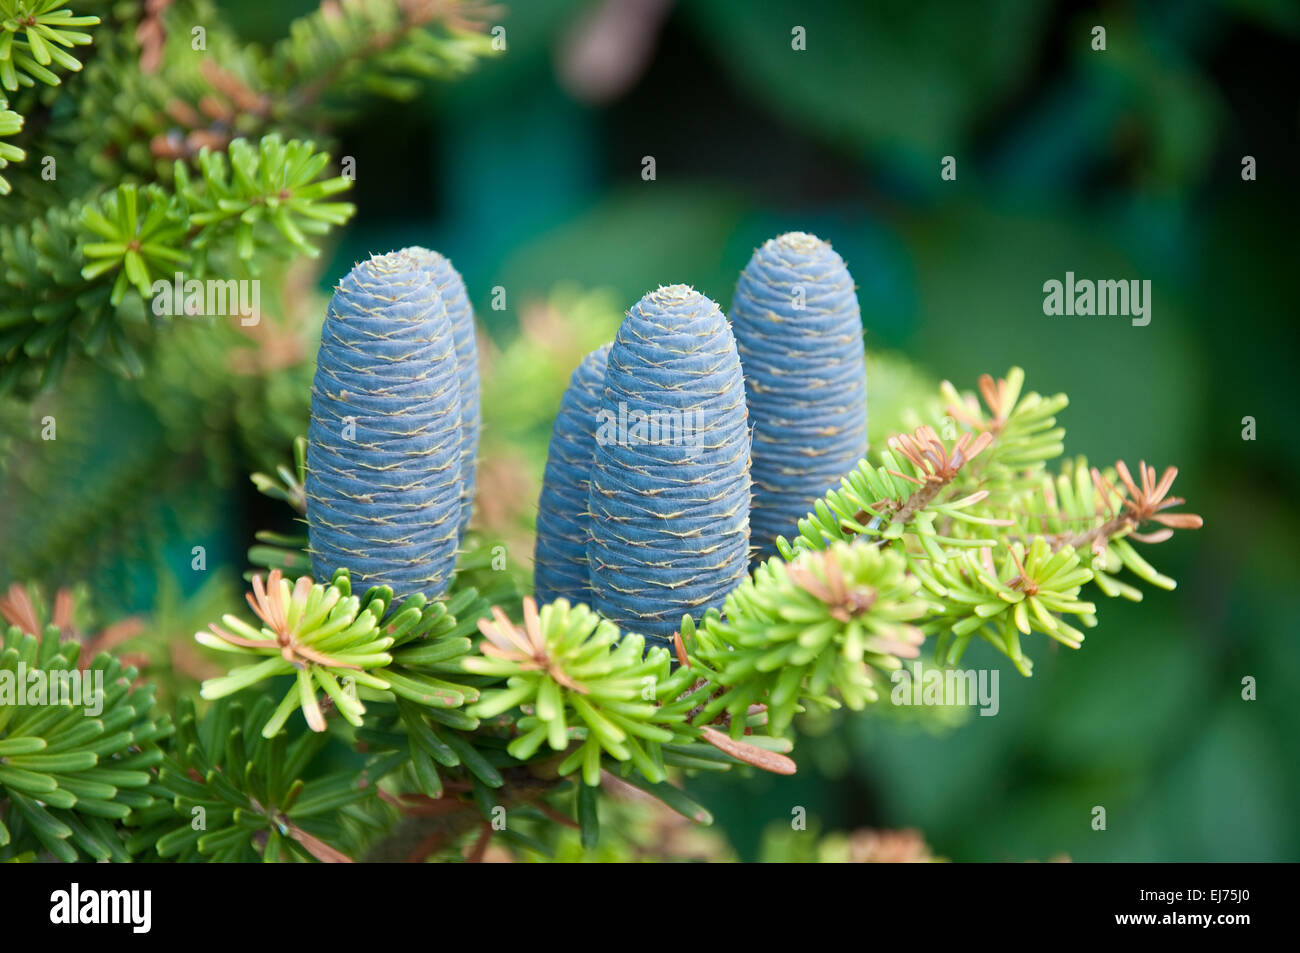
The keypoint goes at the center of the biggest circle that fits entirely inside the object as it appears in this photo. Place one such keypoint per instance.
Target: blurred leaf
(877, 75)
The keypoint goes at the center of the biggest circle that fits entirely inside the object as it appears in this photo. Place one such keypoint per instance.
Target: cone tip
(424, 256)
(802, 242)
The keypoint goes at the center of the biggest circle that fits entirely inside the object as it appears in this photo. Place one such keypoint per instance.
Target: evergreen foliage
(182, 151)
(432, 693)
(77, 748)
(462, 710)
(250, 795)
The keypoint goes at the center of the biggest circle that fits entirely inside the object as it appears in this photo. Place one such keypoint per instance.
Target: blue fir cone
(670, 489)
(560, 559)
(799, 332)
(461, 315)
(384, 442)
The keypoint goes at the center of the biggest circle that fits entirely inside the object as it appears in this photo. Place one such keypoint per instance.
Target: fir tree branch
(343, 37)
(146, 117)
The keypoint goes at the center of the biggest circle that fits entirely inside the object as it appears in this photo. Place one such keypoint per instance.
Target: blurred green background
(1123, 163)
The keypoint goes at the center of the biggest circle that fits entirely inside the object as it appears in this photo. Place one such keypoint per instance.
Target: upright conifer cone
(669, 495)
(461, 315)
(560, 559)
(799, 333)
(384, 442)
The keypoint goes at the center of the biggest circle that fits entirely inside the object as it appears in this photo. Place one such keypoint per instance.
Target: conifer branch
(215, 151)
